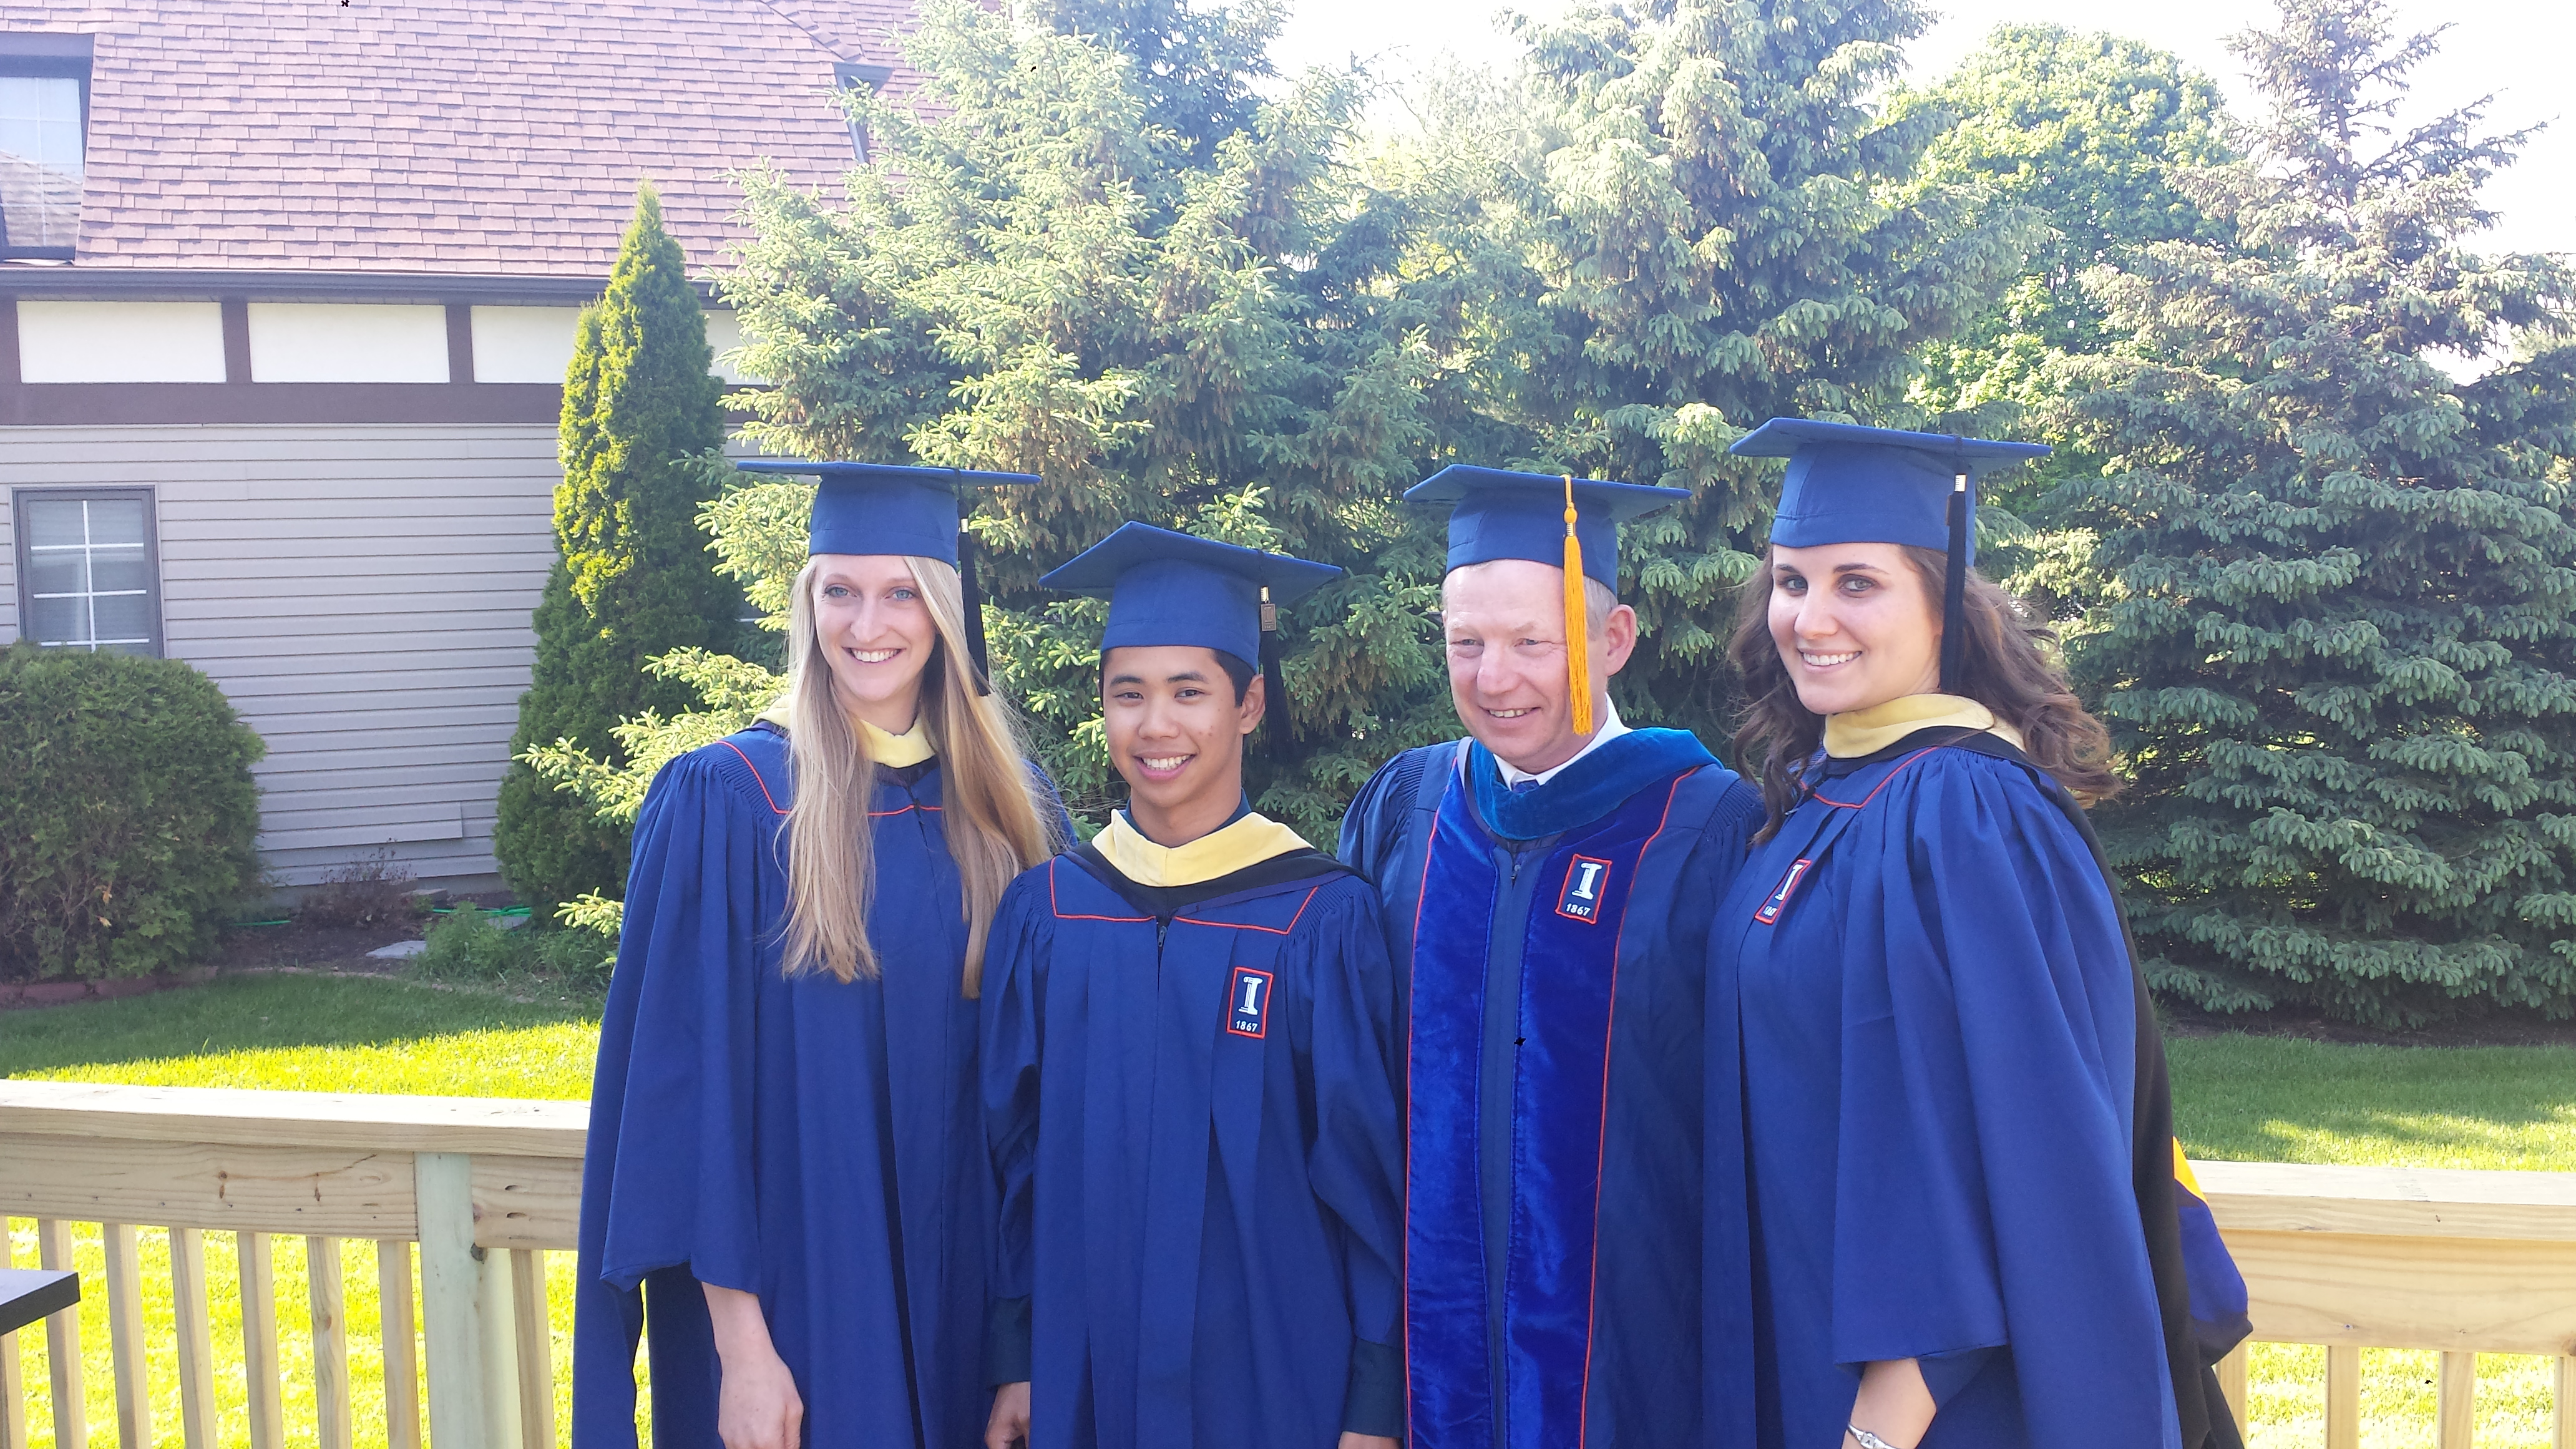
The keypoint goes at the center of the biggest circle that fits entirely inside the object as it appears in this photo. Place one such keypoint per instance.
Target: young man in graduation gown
(1188, 1066)
(1546, 887)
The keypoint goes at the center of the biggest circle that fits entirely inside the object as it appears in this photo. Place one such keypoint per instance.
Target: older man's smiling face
(1504, 624)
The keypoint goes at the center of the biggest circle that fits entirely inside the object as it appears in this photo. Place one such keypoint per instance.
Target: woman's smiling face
(876, 633)
(1854, 625)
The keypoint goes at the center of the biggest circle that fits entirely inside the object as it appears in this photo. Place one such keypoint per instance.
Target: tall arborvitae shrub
(641, 412)
(2342, 657)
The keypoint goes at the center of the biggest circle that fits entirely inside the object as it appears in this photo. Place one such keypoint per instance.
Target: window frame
(23, 544)
(56, 57)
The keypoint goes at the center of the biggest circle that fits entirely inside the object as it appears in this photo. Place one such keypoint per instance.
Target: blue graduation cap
(1851, 484)
(895, 508)
(898, 508)
(1551, 518)
(1502, 514)
(1176, 588)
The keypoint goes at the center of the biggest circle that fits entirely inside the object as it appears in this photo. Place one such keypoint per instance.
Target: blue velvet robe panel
(1602, 1346)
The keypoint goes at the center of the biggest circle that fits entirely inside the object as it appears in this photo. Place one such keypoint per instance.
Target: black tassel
(1274, 685)
(981, 666)
(1954, 595)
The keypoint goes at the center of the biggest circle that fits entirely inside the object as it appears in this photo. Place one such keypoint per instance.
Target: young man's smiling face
(1175, 733)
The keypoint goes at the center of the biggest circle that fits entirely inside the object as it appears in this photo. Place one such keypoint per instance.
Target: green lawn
(314, 1034)
(2240, 1097)
(2278, 1099)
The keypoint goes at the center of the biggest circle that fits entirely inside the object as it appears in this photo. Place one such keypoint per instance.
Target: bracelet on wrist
(1866, 1439)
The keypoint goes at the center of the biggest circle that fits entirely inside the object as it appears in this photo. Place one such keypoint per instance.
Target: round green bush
(128, 817)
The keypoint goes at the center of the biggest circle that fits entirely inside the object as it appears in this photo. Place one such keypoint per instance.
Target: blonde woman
(786, 1175)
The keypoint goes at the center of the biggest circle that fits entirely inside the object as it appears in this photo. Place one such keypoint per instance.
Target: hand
(757, 1407)
(1010, 1422)
(1366, 1441)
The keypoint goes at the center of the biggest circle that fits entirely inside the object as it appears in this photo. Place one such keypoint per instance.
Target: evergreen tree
(2342, 662)
(1086, 249)
(642, 416)
(1712, 224)
(2087, 129)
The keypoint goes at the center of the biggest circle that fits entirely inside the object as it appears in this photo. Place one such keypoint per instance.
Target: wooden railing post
(62, 1341)
(2343, 1396)
(402, 1368)
(502, 1417)
(259, 1340)
(2455, 1415)
(324, 1297)
(465, 1306)
(125, 1337)
(536, 1349)
(450, 1288)
(13, 1388)
(2562, 1406)
(195, 1326)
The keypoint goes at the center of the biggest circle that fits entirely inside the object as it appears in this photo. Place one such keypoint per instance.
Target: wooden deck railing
(2346, 1257)
(485, 1187)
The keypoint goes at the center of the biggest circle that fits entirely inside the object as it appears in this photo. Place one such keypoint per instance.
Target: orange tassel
(1578, 638)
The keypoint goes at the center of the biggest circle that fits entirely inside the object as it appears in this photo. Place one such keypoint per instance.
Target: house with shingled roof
(287, 291)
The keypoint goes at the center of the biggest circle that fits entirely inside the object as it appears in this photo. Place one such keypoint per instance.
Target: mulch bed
(298, 945)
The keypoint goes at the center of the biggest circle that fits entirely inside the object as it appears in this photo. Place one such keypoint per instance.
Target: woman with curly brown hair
(1940, 1135)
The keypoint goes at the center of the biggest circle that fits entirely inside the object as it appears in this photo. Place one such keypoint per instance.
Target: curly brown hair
(2011, 667)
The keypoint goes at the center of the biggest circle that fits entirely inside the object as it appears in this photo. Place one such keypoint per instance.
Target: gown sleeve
(1983, 1198)
(675, 1063)
(1012, 1027)
(690, 953)
(1347, 1073)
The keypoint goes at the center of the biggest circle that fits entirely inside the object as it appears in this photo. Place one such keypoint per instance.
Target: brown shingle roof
(447, 135)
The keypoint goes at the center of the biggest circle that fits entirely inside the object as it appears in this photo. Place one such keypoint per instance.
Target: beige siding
(362, 594)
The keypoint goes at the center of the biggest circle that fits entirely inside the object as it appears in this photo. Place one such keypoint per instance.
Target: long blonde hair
(989, 804)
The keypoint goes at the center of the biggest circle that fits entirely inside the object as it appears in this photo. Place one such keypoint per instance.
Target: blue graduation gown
(1925, 972)
(1550, 950)
(811, 1141)
(1192, 1115)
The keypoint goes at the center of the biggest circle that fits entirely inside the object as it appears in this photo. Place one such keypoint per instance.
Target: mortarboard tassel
(1954, 593)
(980, 662)
(1578, 637)
(1274, 685)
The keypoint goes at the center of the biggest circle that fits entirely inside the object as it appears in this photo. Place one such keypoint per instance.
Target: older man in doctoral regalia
(1546, 887)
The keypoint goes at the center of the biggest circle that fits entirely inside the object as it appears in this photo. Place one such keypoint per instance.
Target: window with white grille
(89, 574)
